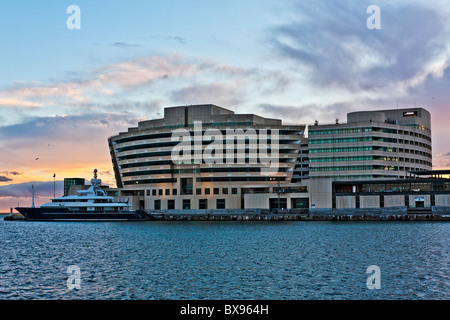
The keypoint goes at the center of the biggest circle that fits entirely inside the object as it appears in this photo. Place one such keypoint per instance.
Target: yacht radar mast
(96, 185)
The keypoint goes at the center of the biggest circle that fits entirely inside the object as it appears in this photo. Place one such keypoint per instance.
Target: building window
(198, 191)
(174, 192)
(203, 203)
(186, 204)
(157, 204)
(220, 203)
(300, 203)
(160, 192)
(167, 192)
(274, 204)
(207, 191)
(224, 190)
(186, 186)
(148, 192)
(216, 190)
(154, 192)
(72, 182)
(234, 191)
(170, 204)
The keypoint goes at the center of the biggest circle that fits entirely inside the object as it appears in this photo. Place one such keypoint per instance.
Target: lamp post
(32, 196)
(54, 186)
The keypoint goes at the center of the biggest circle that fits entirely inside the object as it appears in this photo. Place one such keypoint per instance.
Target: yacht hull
(62, 214)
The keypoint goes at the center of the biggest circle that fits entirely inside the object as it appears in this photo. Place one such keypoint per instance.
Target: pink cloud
(14, 102)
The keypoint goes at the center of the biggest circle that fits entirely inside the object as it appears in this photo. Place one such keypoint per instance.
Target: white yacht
(92, 204)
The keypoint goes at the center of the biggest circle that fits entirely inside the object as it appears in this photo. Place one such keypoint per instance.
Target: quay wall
(373, 214)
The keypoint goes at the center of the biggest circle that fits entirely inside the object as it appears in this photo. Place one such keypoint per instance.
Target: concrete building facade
(364, 163)
(384, 144)
(144, 166)
(416, 194)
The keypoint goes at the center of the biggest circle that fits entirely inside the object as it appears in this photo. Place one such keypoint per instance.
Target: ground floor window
(170, 204)
(157, 204)
(300, 203)
(203, 203)
(273, 203)
(186, 204)
(220, 203)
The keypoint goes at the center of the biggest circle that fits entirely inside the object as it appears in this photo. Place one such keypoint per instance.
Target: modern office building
(206, 157)
(384, 144)
(68, 182)
(372, 145)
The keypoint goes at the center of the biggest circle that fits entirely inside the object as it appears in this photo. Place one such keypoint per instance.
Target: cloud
(178, 39)
(41, 189)
(131, 82)
(65, 145)
(434, 94)
(75, 129)
(308, 113)
(5, 177)
(36, 96)
(218, 93)
(89, 89)
(125, 45)
(344, 66)
(14, 173)
(331, 43)
(12, 102)
(435, 87)
(144, 71)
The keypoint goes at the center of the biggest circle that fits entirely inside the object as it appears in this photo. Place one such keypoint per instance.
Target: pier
(287, 215)
(14, 217)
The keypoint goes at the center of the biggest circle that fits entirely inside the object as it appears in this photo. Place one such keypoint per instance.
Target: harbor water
(204, 260)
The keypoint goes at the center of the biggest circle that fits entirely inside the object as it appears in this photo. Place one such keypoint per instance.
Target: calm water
(224, 260)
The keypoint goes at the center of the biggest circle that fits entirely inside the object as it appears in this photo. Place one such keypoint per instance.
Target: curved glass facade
(367, 147)
(143, 156)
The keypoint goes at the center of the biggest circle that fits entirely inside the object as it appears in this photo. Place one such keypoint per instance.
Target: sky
(65, 90)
